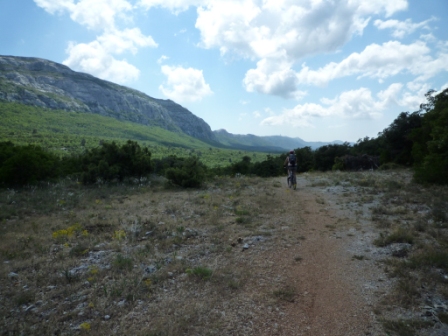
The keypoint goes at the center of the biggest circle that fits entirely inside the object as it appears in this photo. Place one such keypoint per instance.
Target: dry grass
(153, 261)
(136, 257)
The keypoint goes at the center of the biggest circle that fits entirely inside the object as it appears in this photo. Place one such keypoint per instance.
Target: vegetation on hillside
(418, 140)
(65, 133)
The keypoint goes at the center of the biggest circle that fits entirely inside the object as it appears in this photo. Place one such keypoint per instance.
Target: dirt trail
(329, 285)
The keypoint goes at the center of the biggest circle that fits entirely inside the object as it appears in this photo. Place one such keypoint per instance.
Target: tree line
(418, 140)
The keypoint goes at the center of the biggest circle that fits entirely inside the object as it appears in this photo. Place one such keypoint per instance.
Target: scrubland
(238, 256)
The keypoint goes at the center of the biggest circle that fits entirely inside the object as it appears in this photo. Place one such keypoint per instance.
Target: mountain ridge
(44, 83)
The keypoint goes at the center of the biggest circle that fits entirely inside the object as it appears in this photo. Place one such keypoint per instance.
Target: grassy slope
(63, 132)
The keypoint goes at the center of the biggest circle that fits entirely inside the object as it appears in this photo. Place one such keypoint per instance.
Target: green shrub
(400, 235)
(21, 165)
(123, 263)
(188, 173)
(201, 272)
(431, 258)
(111, 161)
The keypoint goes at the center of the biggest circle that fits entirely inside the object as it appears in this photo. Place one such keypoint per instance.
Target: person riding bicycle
(291, 163)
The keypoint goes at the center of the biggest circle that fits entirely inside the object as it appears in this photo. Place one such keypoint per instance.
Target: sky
(321, 70)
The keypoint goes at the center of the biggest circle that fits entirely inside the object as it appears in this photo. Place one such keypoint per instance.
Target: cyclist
(291, 163)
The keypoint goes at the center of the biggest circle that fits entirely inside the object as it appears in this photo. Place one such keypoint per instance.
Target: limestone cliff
(39, 82)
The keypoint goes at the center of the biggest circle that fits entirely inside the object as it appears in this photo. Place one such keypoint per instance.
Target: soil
(331, 272)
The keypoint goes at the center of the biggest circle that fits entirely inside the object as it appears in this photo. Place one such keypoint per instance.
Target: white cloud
(184, 84)
(278, 33)
(273, 78)
(94, 14)
(256, 114)
(412, 100)
(97, 57)
(126, 40)
(379, 61)
(175, 6)
(162, 59)
(378, 6)
(55, 6)
(354, 104)
(289, 29)
(92, 58)
(402, 28)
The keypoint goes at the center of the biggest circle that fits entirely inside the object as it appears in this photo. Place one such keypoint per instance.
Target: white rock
(13, 275)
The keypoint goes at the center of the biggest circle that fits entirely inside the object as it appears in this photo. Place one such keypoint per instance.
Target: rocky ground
(243, 256)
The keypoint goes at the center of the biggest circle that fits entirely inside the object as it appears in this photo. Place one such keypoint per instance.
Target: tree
(397, 142)
(325, 156)
(20, 165)
(111, 161)
(430, 149)
(305, 159)
(188, 173)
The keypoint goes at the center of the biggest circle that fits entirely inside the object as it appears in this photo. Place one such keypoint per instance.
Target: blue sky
(320, 70)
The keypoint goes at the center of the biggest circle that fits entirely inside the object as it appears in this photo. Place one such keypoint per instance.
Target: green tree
(324, 157)
(305, 159)
(430, 149)
(397, 142)
(20, 165)
(110, 161)
(187, 173)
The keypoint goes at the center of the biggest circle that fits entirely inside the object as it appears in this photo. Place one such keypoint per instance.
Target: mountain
(39, 82)
(270, 143)
(43, 83)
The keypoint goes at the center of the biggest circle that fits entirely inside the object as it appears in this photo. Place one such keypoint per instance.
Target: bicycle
(291, 179)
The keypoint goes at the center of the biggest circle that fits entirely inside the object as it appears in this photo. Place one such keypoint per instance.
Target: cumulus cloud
(94, 14)
(354, 104)
(176, 6)
(162, 59)
(291, 29)
(99, 57)
(126, 40)
(402, 28)
(184, 84)
(273, 78)
(55, 6)
(379, 61)
(94, 59)
(278, 33)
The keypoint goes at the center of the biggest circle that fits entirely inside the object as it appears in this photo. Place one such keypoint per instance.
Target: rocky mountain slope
(39, 82)
(43, 83)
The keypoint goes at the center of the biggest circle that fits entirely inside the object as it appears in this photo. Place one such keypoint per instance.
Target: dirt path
(332, 295)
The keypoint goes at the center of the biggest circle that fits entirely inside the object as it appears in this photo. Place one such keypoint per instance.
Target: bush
(110, 162)
(188, 173)
(201, 272)
(430, 148)
(20, 165)
(400, 235)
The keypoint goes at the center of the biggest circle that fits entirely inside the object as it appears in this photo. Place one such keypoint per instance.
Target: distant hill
(43, 83)
(273, 143)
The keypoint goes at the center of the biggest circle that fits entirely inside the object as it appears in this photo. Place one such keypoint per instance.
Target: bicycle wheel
(294, 181)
